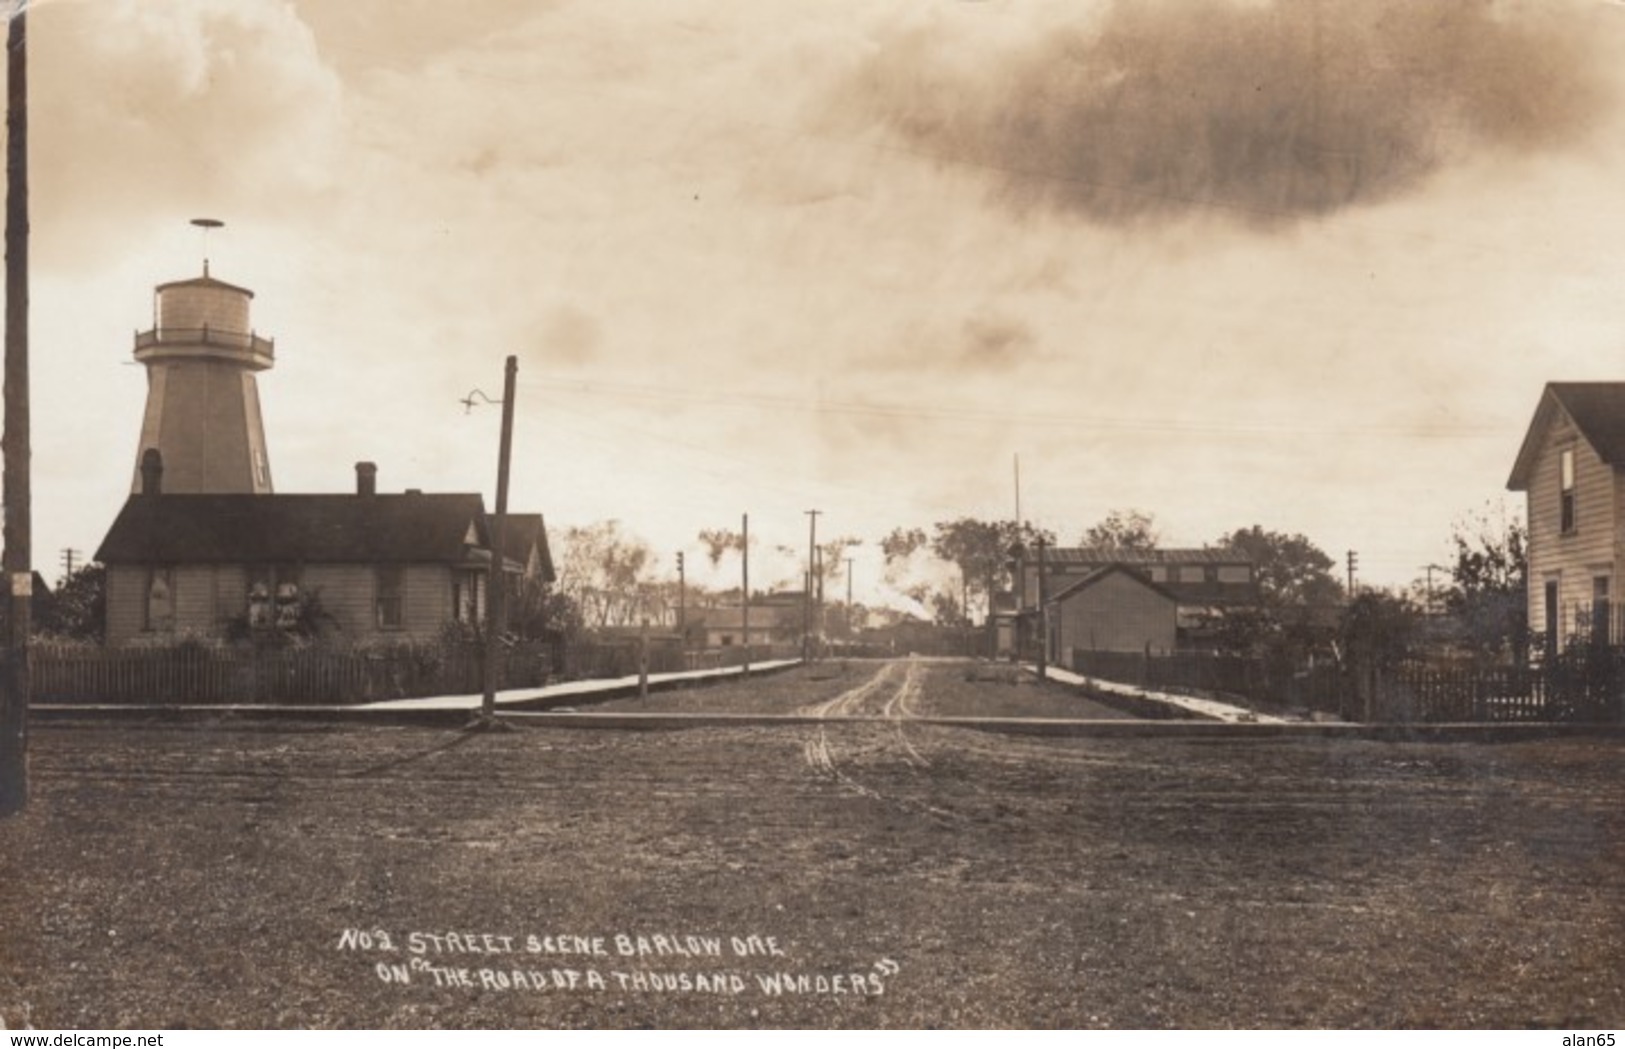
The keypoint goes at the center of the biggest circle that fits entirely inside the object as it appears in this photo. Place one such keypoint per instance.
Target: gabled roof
(1101, 573)
(1598, 410)
(1105, 555)
(522, 533)
(240, 528)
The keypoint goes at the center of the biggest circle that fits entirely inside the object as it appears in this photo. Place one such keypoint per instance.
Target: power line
(875, 409)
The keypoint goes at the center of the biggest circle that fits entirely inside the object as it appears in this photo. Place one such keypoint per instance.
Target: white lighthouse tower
(203, 407)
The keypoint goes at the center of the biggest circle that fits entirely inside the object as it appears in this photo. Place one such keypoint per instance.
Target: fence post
(643, 660)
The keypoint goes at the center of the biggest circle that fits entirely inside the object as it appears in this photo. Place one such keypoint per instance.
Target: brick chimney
(366, 478)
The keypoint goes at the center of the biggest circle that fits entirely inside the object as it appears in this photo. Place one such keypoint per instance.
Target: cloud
(995, 342)
(360, 35)
(570, 336)
(1268, 112)
(981, 344)
(156, 112)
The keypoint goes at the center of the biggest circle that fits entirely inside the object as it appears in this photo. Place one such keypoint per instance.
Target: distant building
(524, 541)
(1203, 583)
(1570, 468)
(773, 619)
(1112, 609)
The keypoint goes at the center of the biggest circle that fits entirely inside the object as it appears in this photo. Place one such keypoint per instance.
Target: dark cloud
(995, 343)
(1270, 112)
(981, 344)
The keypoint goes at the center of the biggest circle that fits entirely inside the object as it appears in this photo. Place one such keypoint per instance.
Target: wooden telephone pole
(15, 688)
(744, 585)
(496, 619)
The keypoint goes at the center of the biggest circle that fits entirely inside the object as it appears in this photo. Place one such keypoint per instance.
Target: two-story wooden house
(1569, 468)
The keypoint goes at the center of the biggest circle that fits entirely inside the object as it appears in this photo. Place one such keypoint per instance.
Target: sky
(1303, 265)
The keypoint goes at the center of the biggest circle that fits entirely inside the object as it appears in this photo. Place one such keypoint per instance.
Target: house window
(388, 580)
(287, 596)
(273, 596)
(1565, 492)
(468, 597)
(160, 603)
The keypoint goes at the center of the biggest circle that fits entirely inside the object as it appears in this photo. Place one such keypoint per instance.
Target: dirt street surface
(875, 874)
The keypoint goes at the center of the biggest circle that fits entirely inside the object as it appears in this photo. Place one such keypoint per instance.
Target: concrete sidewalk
(590, 691)
(1208, 709)
(430, 709)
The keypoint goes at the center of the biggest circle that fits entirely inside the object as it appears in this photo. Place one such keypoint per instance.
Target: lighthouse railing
(206, 336)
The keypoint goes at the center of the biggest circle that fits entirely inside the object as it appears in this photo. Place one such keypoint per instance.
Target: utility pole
(681, 591)
(744, 584)
(807, 605)
(1353, 561)
(496, 620)
(964, 610)
(14, 443)
(1432, 608)
(1017, 462)
(69, 555)
(848, 600)
(818, 600)
(745, 587)
(1043, 614)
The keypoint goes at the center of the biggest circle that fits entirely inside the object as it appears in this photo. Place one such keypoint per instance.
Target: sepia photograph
(710, 514)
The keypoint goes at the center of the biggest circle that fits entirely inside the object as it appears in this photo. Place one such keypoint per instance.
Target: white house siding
(125, 586)
(427, 596)
(345, 593)
(208, 597)
(1116, 614)
(194, 600)
(349, 594)
(1591, 550)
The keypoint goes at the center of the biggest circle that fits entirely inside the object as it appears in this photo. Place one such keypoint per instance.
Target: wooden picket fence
(314, 674)
(325, 674)
(1584, 685)
(1423, 694)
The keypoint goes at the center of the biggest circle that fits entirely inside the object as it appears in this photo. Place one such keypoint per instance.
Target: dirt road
(880, 873)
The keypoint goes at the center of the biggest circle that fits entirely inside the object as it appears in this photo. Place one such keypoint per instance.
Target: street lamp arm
(468, 402)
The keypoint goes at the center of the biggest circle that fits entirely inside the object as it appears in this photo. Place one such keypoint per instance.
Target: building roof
(204, 281)
(1107, 555)
(522, 533)
(1598, 410)
(242, 528)
(1101, 573)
